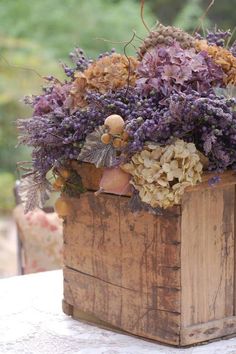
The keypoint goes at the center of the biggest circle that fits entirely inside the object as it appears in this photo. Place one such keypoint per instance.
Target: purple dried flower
(170, 69)
(53, 99)
(218, 37)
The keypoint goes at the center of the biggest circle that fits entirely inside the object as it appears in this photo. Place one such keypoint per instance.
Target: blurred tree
(221, 13)
(6, 192)
(59, 25)
(34, 36)
(19, 61)
(164, 10)
(188, 16)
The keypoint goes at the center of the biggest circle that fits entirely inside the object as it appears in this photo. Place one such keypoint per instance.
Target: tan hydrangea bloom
(106, 74)
(221, 57)
(161, 174)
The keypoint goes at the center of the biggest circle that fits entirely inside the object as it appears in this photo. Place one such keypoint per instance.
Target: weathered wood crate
(170, 279)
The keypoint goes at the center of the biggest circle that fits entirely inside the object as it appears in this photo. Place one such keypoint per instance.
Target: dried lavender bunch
(218, 37)
(79, 58)
(81, 61)
(57, 138)
(206, 119)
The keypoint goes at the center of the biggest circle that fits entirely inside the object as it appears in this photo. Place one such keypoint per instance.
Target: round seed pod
(106, 138)
(125, 136)
(59, 182)
(117, 143)
(64, 173)
(56, 187)
(162, 35)
(61, 207)
(115, 124)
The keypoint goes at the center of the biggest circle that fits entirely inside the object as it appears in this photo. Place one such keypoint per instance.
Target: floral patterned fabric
(41, 236)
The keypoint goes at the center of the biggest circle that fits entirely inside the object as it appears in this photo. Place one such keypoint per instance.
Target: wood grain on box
(168, 278)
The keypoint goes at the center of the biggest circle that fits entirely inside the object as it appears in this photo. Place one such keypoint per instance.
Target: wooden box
(166, 278)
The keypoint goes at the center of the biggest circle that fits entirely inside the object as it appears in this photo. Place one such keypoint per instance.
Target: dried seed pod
(56, 187)
(106, 138)
(62, 207)
(162, 35)
(125, 136)
(63, 172)
(117, 143)
(59, 182)
(115, 124)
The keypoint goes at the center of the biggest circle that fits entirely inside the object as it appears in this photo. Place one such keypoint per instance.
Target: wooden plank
(228, 178)
(235, 250)
(67, 293)
(140, 252)
(133, 260)
(121, 307)
(91, 177)
(207, 255)
(208, 331)
(137, 273)
(105, 231)
(67, 308)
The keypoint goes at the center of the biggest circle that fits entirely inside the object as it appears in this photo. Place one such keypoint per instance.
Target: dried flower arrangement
(153, 122)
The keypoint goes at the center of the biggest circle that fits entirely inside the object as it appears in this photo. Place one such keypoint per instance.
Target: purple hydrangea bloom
(169, 69)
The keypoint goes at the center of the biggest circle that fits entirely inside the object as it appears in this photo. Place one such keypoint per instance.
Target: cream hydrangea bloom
(161, 174)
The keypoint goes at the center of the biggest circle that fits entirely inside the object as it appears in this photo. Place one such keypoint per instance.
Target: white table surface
(32, 322)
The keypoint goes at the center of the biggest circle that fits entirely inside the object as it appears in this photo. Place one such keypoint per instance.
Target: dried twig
(20, 67)
(142, 16)
(201, 19)
(129, 67)
(230, 38)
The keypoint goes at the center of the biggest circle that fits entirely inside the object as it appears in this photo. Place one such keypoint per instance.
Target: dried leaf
(74, 185)
(34, 191)
(94, 151)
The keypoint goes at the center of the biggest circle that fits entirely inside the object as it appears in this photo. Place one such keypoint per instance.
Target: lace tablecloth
(32, 322)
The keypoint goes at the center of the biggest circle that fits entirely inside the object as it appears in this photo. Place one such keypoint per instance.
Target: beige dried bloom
(161, 174)
(108, 73)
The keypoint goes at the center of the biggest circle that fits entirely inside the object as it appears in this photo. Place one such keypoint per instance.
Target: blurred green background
(36, 35)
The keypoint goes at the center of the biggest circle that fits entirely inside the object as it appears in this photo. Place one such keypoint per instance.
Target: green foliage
(59, 25)
(7, 181)
(35, 35)
(19, 61)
